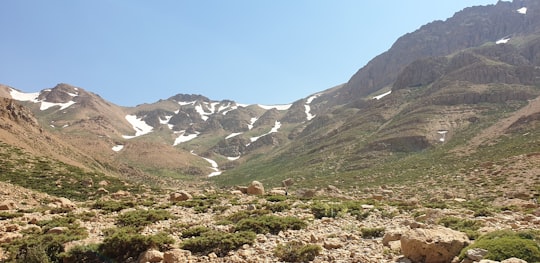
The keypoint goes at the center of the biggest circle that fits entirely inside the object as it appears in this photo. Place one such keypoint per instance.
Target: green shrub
(270, 224)
(505, 244)
(201, 204)
(39, 246)
(468, 227)
(370, 232)
(86, 254)
(194, 231)
(236, 217)
(127, 243)
(218, 242)
(278, 207)
(141, 218)
(321, 210)
(8, 215)
(112, 206)
(295, 251)
(276, 198)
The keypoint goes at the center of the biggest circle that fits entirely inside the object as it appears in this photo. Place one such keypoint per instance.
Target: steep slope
(468, 28)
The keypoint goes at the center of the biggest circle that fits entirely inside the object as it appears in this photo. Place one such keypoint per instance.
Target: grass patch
(295, 251)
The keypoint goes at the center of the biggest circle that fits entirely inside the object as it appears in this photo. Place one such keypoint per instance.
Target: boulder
(242, 189)
(255, 188)
(151, 255)
(438, 244)
(287, 182)
(277, 191)
(8, 205)
(513, 260)
(62, 202)
(180, 196)
(57, 230)
(176, 255)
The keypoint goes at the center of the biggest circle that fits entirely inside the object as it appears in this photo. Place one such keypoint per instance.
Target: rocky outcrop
(438, 244)
(180, 196)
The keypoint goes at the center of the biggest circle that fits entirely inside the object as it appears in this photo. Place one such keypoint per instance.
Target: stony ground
(341, 237)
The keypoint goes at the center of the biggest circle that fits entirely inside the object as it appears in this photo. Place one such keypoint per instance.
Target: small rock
(57, 230)
(332, 243)
(102, 191)
(476, 254)
(513, 260)
(236, 192)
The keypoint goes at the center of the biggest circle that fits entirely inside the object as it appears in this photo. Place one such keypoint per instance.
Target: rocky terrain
(429, 153)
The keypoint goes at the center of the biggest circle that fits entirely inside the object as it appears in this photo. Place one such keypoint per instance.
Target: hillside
(437, 138)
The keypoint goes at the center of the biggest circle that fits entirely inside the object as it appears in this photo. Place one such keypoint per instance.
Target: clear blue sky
(250, 51)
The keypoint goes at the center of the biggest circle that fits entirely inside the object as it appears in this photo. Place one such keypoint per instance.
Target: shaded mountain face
(441, 90)
(471, 27)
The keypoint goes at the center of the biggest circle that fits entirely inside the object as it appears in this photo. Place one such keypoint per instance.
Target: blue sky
(139, 51)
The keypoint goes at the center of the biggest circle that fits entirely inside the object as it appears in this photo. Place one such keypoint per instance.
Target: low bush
(371, 232)
(218, 242)
(276, 198)
(236, 217)
(295, 251)
(195, 231)
(141, 218)
(270, 224)
(505, 244)
(321, 210)
(278, 207)
(8, 215)
(126, 243)
(466, 226)
(112, 206)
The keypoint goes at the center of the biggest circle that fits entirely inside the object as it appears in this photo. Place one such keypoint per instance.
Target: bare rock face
(439, 244)
(255, 188)
(176, 255)
(8, 205)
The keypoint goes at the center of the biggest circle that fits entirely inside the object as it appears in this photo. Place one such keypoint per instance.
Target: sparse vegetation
(505, 244)
(218, 242)
(270, 224)
(140, 218)
(469, 227)
(368, 232)
(295, 251)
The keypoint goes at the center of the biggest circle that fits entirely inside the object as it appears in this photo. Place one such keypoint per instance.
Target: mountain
(433, 91)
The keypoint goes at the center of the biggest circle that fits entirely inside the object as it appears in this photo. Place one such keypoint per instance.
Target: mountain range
(442, 100)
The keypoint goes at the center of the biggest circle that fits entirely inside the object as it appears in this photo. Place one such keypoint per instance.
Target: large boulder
(176, 255)
(180, 196)
(438, 244)
(255, 188)
(151, 255)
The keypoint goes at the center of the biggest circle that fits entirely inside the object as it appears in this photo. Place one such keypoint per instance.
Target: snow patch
(233, 135)
(252, 122)
(214, 165)
(502, 41)
(118, 147)
(522, 10)
(443, 135)
(277, 107)
(184, 138)
(33, 97)
(309, 116)
(233, 158)
(46, 105)
(276, 127)
(184, 103)
(378, 97)
(140, 126)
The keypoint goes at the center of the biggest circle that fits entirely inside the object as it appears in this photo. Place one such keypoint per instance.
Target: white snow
(201, 111)
(276, 127)
(378, 97)
(166, 120)
(310, 116)
(140, 127)
(184, 138)
(184, 103)
(252, 122)
(233, 158)
(277, 107)
(502, 41)
(46, 105)
(233, 135)
(214, 165)
(522, 10)
(118, 147)
(20, 96)
(33, 97)
(443, 135)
